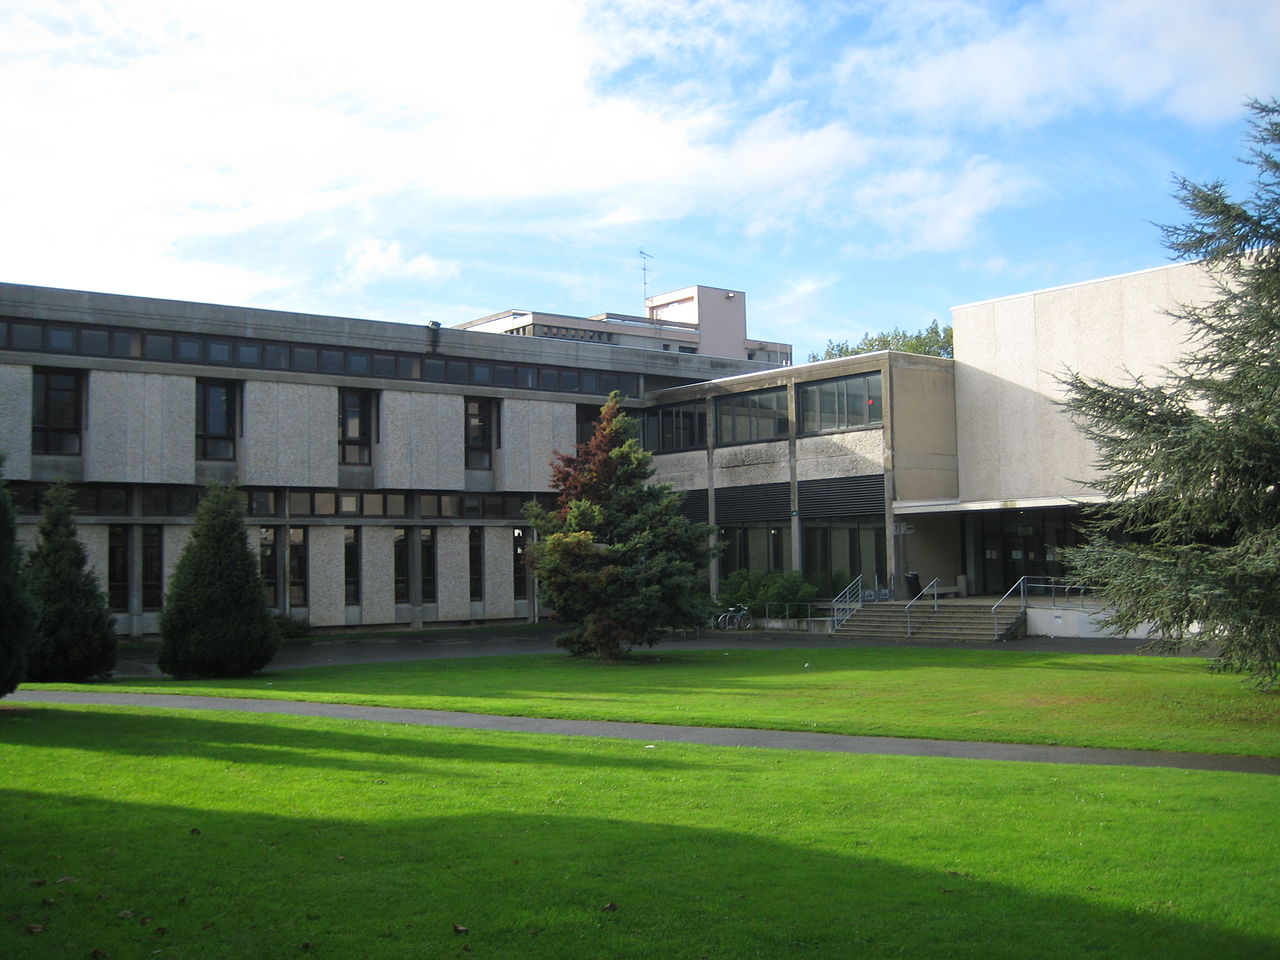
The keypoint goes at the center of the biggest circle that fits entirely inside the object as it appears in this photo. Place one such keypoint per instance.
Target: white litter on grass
(806, 664)
(648, 746)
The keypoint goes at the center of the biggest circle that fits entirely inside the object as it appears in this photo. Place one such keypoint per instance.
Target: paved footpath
(663, 733)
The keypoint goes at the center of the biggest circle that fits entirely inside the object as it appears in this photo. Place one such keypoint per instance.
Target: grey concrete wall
(924, 428)
(290, 435)
(750, 463)
(140, 428)
(377, 575)
(1013, 441)
(421, 441)
(15, 420)
(498, 600)
(531, 430)
(857, 453)
(686, 470)
(931, 547)
(453, 581)
(326, 603)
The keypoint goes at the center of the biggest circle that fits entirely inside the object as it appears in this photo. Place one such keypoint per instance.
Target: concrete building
(384, 465)
(699, 320)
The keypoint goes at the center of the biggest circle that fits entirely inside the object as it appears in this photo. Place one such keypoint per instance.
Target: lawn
(1003, 695)
(137, 833)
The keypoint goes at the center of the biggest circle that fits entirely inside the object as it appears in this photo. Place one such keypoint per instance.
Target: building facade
(384, 465)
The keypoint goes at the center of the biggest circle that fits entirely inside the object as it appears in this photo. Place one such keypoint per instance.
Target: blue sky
(852, 166)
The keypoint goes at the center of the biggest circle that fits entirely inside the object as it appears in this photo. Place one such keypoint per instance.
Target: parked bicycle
(735, 618)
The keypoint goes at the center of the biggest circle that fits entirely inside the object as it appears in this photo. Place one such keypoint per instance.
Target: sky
(852, 166)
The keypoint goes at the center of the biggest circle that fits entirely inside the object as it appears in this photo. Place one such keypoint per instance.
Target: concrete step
(954, 621)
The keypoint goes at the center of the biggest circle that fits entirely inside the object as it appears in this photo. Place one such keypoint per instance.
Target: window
(678, 427)
(58, 399)
(519, 569)
(152, 567)
(351, 564)
(268, 557)
(744, 417)
(216, 419)
(400, 564)
(480, 435)
(297, 566)
(118, 568)
(427, 563)
(840, 404)
(355, 426)
(475, 556)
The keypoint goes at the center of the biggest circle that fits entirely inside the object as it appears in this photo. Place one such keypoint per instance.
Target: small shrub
(17, 614)
(291, 628)
(757, 590)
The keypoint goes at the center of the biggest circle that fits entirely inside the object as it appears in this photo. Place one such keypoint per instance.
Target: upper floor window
(355, 426)
(840, 404)
(216, 419)
(744, 417)
(678, 427)
(58, 401)
(480, 435)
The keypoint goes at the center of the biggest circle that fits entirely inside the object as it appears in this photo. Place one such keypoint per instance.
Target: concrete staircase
(953, 620)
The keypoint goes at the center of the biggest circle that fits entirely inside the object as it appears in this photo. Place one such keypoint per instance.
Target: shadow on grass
(526, 886)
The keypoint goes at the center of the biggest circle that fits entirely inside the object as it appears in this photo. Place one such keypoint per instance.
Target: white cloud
(370, 261)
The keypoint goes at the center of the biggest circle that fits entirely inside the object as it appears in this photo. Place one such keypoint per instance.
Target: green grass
(367, 840)
(1001, 695)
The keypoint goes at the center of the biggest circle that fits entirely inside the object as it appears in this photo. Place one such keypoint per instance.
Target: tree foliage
(215, 621)
(933, 341)
(17, 614)
(615, 558)
(1190, 537)
(74, 640)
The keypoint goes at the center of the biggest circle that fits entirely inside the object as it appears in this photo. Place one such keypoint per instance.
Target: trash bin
(913, 584)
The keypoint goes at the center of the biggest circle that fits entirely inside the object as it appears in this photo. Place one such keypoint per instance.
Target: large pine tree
(615, 558)
(74, 640)
(215, 621)
(1189, 539)
(17, 615)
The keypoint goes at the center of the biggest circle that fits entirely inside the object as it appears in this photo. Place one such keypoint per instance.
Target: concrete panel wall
(326, 604)
(377, 575)
(290, 435)
(858, 453)
(499, 602)
(531, 430)
(684, 471)
(94, 536)
(140, 428)
(453, 574)
(421, 441)
(15, 420)
(1013, 440)
(752, 463)
(924, 429)
(172, 544)
(930, 545)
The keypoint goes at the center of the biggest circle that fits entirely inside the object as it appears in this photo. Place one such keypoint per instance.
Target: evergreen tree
(615, 557)
(74, 640)
(17, 614)
(215, 621)
(1189, 539)
(932, 341)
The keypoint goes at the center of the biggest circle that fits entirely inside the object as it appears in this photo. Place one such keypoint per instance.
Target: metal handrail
(933, 585)
(846, 603)
(1021, 588)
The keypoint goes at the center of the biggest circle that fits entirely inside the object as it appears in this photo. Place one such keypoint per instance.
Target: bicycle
(735, 618)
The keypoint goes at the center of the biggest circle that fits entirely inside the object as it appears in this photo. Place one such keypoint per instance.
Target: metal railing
(1025, 584)
(933, 585)
(846, 603)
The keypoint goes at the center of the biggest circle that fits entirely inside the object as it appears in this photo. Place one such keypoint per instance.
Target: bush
(74, 640)
(17, 614)
(215, 621)
(757, 590)
(291, 628)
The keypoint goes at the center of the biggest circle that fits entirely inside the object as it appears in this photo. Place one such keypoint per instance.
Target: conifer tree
(615, 558)
(74, 640)
(1189, 539)
(17, 614)
(215, 621)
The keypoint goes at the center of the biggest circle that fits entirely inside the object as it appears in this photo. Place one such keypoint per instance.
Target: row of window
(282, 556)
(134, 344)
(157, 500)
(838, 404)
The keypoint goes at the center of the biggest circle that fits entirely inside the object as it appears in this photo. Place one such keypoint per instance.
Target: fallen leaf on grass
(195, 831)
(125, 914)
(305, 945)
(609, 906)
(65, 880)
(459, 928)
(207, 926)
(34, 928)
(161, 931)
(49, 902)
(97, 953)
(144, 920)
(38, 883)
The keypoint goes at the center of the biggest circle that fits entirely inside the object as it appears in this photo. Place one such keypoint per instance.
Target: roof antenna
(644, 272)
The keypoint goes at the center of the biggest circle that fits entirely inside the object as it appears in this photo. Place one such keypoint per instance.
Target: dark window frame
(57, 411)
(217, 417)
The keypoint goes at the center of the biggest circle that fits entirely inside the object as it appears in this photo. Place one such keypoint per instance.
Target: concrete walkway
(663, 733)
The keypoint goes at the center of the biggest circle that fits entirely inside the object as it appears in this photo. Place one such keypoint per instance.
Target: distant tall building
(702, 320)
